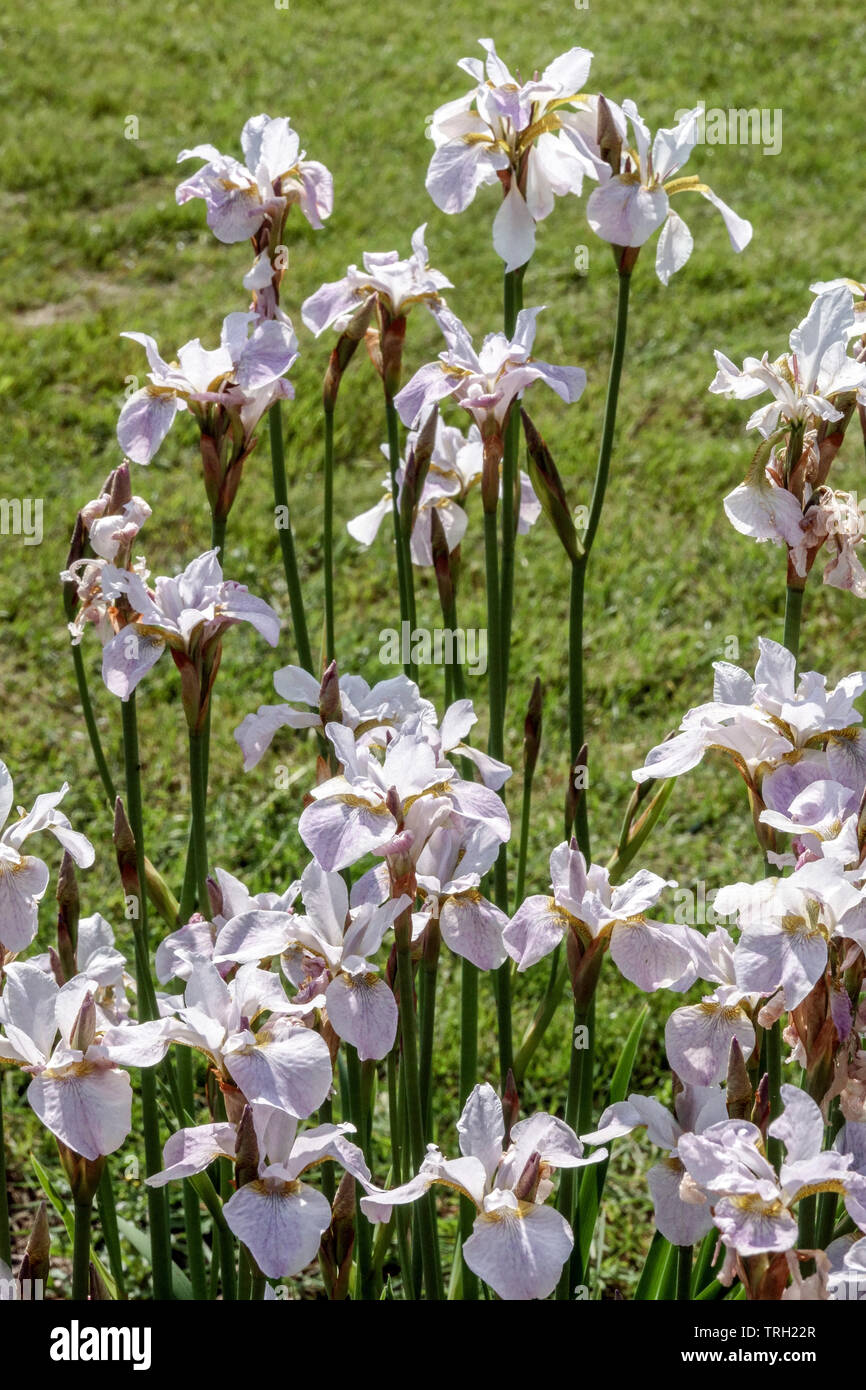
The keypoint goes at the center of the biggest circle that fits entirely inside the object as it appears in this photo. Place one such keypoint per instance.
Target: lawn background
(93, 243)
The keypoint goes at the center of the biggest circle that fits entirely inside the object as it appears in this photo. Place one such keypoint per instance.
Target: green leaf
(593, 1180)
(68, 1219)
(181, 1287)
(659, 1253)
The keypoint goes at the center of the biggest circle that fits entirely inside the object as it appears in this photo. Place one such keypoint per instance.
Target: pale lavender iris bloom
(239, 197)
(653, 955)
(400, 284)
(804, 382)
(329, 946)
(518, 1244)
(55, 1033)
(189, 611)
(280, 1219)
(488, 382)
(23, 878)
(629, 206)
(752, 1205)
(696, 1108)
(760, 722)
(243, 376)
(507, 131)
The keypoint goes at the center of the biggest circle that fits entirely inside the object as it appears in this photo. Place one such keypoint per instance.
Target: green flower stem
(575, 703)
(793, 619)
(364, 1272)
(157, 1203)
(287, 540)
(191, 1212)
(398, 1170)
(257, 1292)
(245, 1275)
(653, 1269)
(684, 1273)
(502, 976)
(81, 1251)
(427, 1021)
(468, 1073)
(525, 817)
(328, 537)
(405, 580)
(513, 303)
(90, 723)
(325, 1116)
(579, 1079)
(543, 1015)
(602, 474)
(110, 1234)
(198, 799)
(773, 1038)
(5, 1239)
(408, 1035)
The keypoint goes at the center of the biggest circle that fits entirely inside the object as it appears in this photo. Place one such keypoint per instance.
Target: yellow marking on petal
(809, 1190)
(269, 1188)
(689, 183)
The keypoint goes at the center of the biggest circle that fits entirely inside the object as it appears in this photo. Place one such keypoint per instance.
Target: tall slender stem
(773, 1038)
(364, 1267)
(576, 703)
(408, 1035)
(198, 800)
(468, 1072)
(405, 579)
(427, 1012)
(328, 537)
(793, 618)
(108, 1222)
(81, 1251)
(191, 1210)
(684, 1273)
(287, 540)
(513, 297)
(157, 1202)
(567, 1185)
(90, 724)
(5, 1239)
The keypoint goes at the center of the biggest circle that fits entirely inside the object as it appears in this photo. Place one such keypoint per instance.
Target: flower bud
(416, 471)
(549, 489)
(532, 728)
(124, 846)
(83, 1029)
(338, 1242)
(392, 334)
(36, 1264)
(441, 561)
(98, 1291)
(491, 435)
(760, 1115)
(607, 136)
(76, 552)
(118, 485)
(83, 1174)
(738, 1089)
(576, 784)
(67, 917)
(584, 964)
(510, 1106)
(344, 351)
(246, 1150)
(330, 703)
(527, 1184)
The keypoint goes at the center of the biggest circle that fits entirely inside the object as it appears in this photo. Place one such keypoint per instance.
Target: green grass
(93, 244)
